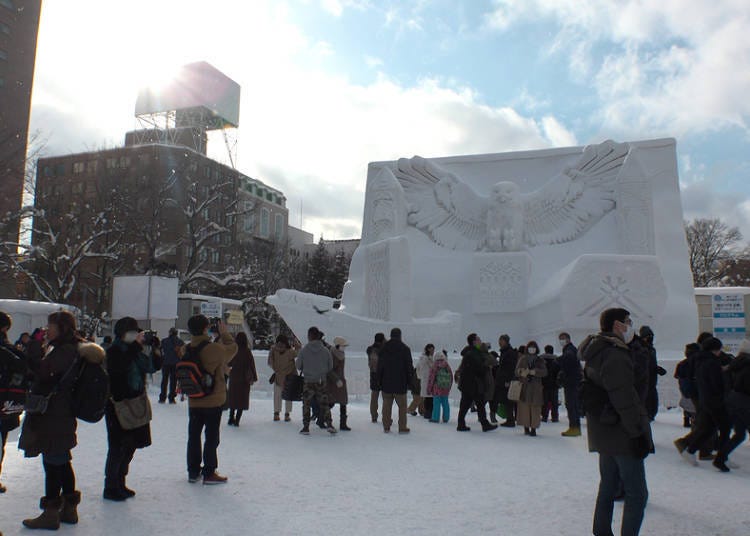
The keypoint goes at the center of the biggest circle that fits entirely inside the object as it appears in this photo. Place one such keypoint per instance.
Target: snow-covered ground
(432, 481)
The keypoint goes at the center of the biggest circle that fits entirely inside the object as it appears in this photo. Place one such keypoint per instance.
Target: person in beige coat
(530, 370)
(281, 360)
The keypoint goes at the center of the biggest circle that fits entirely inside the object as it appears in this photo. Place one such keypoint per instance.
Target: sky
(330, 85)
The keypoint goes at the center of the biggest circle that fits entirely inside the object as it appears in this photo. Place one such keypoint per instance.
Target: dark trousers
(58, 476)
(198, 420)
(551, 403)
(631, 471)
(740, 416)
(235, 416)
(427, 401)
(4, 436)
(168, 377)
(707, 422)
(465, 405)
(573, 406)
(117, 465)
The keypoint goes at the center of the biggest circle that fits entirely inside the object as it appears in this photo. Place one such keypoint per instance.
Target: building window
(91, 167)
(248, 223)
(3, 55)
(2, 81)
(207, 172)
(269, 196)
(203, 255)
(193, 166)
(8, 4)
(278, 226)
(77, 187)
(124, 161)
(78, 167)
(259, 192)
(4, 28)
(47, 171)
(265, 222)
(59, 170)
(216, 257)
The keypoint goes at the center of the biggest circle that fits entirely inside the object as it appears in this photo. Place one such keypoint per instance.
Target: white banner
(729, 319)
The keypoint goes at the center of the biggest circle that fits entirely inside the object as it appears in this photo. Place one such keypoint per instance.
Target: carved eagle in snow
(456, 217)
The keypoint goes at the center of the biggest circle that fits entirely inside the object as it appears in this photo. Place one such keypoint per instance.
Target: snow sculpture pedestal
(530, 244)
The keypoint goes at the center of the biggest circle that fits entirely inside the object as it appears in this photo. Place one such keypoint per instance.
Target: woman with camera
(128, 412)
(49, 427)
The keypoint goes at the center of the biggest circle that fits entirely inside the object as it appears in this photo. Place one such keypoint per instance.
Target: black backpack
(194, 380)
(90, 391)
(14, 381)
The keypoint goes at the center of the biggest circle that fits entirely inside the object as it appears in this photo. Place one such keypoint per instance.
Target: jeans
(168, 376)
(198, 419)
(388, 399)
(440, 402)
(632, 472)
(573, 406)
(277, 400)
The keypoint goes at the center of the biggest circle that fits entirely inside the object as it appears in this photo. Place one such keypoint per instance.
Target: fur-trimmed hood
(593, 344)
(91, 352)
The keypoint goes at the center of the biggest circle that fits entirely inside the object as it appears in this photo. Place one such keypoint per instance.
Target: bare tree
(711, 244)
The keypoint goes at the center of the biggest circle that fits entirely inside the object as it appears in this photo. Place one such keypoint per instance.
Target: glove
(339, 384)
(641, 446)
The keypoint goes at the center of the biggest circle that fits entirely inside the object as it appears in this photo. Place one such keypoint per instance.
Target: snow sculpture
(492, 244)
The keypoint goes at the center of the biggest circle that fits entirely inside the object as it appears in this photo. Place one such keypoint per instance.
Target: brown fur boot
(49, 518)
(69, 511)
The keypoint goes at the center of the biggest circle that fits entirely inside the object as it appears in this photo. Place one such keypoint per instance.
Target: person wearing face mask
(127, 366)
(570, 378)
(531, 368)
(618, 425)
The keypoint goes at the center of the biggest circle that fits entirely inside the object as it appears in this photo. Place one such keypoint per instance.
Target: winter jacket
(395, 367)
(553, 369)
(640, 355)
(315, 361)
(215, 357)
(241, 377)
(531, 377)
(609, 366)
(570, 367)
(54, 432)
(424, 366)
(372, 363)
(739, 369)
(281, 360)
(170, 348)
(473, 369)
(336, 394)
(710, 381)
(440, 362)
(127, 367)
(14, 360)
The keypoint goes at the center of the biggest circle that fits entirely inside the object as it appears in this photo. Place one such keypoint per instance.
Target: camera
(149, 337)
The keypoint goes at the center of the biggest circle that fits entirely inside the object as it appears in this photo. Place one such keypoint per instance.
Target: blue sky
(330, 85)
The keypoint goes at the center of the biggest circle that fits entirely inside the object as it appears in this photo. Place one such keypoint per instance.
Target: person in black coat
(506, 372)
(570, 376)
(712, 412)
(738, 399)
(646, 337)
(551, 386)
(127, 366)
(395, 371)
(12, 360)
(472, 375)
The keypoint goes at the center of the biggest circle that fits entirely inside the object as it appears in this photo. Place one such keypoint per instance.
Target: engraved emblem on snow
(447, 209)
(635, 218)
(502, 281)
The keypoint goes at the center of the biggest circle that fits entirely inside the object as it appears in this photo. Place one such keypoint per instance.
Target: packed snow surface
(431, 481)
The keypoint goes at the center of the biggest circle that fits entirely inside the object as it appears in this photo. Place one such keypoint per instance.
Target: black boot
(342, 421)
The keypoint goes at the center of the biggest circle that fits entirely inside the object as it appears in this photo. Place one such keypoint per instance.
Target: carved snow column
(385, 206)
(501, 282)
(635, 209)
(381, 265)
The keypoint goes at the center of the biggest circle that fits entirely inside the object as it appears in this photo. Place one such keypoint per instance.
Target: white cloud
(303, 129)
(373, 62)
(671, 67)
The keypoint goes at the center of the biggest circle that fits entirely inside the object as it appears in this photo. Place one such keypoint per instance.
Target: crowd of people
(610, 379)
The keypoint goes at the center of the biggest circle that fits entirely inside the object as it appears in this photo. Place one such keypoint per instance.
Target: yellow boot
(573, 431)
